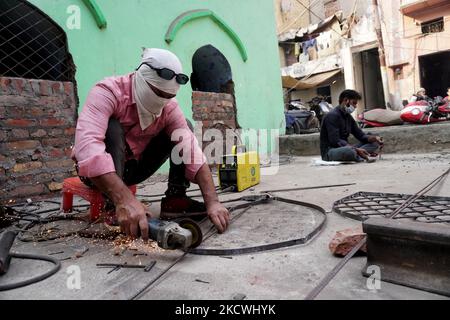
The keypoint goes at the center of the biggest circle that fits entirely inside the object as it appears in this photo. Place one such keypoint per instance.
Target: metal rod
(310, 188)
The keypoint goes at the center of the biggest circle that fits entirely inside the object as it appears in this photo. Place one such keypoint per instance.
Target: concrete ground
(285, 274)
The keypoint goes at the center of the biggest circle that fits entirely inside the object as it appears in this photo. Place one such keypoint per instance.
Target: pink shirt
(113, 97)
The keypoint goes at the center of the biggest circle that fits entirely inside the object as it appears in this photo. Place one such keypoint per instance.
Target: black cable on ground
(20, 284)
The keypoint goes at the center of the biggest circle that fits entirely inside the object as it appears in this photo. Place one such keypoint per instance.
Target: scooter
(380, 118)
(300, 120)
(427, 111)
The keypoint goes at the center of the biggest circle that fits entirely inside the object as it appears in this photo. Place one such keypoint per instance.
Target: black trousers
(156, 153)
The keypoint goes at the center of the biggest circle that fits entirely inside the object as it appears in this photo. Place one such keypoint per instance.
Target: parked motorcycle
(321, 107)
(380, 118)
(301, 120)
(426, 111)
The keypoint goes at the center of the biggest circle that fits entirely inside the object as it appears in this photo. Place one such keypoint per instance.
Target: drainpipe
(383, 64)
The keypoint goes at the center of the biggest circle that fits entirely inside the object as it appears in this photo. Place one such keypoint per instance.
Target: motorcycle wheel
(297, 127)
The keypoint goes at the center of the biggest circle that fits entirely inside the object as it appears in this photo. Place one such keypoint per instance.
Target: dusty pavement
(288, 273)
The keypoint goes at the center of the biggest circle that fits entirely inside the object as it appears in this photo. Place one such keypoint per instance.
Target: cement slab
(283, 274)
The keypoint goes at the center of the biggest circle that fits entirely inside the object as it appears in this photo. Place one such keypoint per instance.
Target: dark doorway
(435, 73)
(32, 45)
(372, 81)
(211, 71)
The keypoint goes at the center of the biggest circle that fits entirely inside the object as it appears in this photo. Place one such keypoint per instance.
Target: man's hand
(217, 213)
(133, 216)
(362, 153)
(219, 216)
(376, 139)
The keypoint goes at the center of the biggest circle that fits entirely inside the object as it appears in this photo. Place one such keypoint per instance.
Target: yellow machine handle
(235, 149)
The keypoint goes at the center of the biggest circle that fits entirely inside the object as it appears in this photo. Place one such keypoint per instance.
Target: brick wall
(37, 128)
(215, 110)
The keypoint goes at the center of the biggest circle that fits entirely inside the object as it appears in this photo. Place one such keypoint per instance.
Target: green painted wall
(133, 24)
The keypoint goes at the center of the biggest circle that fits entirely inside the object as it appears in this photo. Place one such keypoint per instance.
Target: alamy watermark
(374, 279)
(262, 143)
(73, 21)
(74, 277)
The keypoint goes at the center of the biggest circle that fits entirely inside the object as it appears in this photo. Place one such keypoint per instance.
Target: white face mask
(350, 109)
(149, 105)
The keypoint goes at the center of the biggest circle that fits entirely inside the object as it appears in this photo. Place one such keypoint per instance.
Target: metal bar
(310, 188)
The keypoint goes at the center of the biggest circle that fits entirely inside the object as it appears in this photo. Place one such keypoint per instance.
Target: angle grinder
(172, 235)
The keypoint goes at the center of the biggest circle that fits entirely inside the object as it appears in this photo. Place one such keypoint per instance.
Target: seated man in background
(421, 95)
(336, 129)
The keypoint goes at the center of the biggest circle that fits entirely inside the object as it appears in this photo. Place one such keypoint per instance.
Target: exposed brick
(24, 167)
(68, 152)
(35, 85)
(24, 105)
(56, 153)
(20, 145)
(220, 116)
(226, 103)
(37, 155)
(68, 89)
(60, 164)
(50, 101)
(19, 122)
(5, 86)
(16, 112)
(55, 132)
(55, 186)
(197, 95)
(19, 134)
(30, 178)
(35, 112)
(39, 133)
(221, 108)
(69, 131)
(57, 88)
(230, 123)
(57, 142)
(19, 85)
(226, 97)
(15, 100)
(52, 122)
(45, 89)
(344, 241)
(25, 191)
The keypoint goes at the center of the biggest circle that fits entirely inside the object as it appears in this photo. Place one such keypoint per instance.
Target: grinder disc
(191, 225)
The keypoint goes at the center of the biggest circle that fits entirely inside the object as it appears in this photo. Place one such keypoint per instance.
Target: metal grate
(363, 205)
(32, 45)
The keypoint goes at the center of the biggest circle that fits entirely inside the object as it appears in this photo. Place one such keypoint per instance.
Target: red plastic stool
(74, 186)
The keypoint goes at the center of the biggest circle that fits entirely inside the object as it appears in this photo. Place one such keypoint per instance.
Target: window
(32, 45)
(433, 26)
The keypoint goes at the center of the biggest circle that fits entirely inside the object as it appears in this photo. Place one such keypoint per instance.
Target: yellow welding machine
(240, 170)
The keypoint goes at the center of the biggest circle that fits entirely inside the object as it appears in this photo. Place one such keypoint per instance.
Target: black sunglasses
(168, 74)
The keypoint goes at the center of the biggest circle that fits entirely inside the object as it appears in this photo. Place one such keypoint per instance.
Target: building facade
(386, 50)
(77, 43)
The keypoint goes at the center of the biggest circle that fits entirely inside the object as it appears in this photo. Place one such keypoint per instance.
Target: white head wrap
(150, 105)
